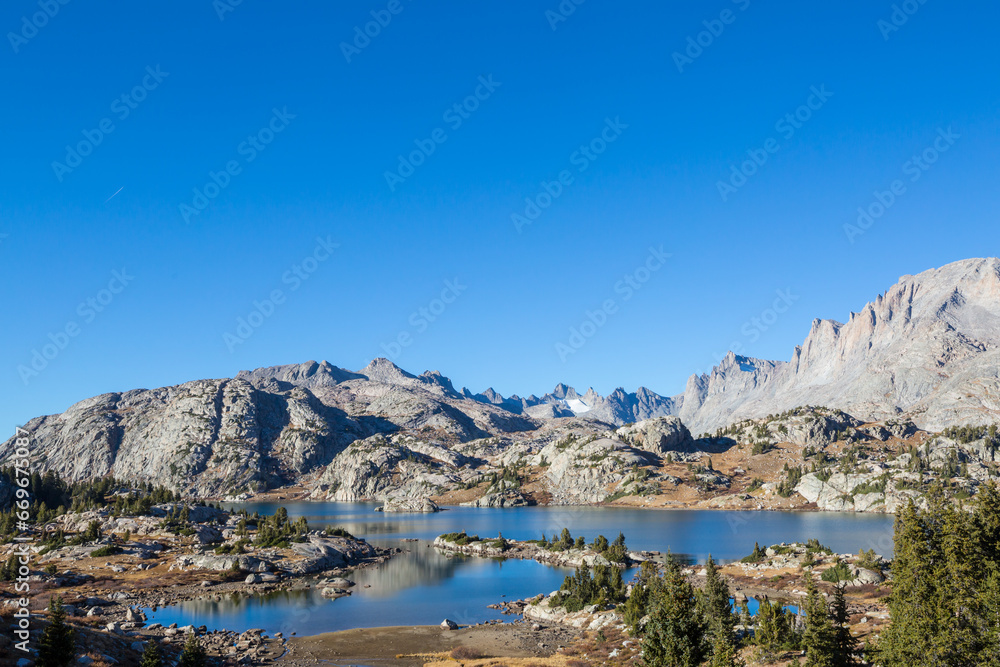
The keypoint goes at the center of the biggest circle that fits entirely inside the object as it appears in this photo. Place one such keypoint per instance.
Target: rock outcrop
(582, 470)
(409, 505)
(660, 435)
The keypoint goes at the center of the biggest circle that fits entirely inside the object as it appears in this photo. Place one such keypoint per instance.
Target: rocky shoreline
(777, 574)
(145, 562)
(570, 557)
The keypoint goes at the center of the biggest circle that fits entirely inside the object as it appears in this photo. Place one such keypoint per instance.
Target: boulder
(448, 624)
(327, 553)
(660, 435)
(333, 592)
(863, 576)
(339, 582)
(415, 505)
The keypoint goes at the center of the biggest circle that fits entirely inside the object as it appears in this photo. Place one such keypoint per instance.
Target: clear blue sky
(213, 83)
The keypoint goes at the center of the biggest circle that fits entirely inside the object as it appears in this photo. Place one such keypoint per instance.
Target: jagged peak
(492, 396)
(562, 390)
(382, 370)
(439, 380)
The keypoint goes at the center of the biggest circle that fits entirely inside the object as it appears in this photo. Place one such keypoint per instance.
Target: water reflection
(424, 586)
(726, 535)
(421, 587)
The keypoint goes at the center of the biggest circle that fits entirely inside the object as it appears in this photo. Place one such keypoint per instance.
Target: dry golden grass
(445, 660)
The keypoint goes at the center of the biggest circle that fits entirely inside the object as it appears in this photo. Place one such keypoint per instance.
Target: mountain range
(926, 349)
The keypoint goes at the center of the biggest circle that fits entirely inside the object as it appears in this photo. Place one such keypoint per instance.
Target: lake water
(424, 586)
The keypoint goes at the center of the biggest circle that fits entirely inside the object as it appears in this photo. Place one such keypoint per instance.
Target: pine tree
(675, 634)
(638, 601)
(819, 637)
(151, 656)
(771, 632)
(988, 604)
(846, 643)
(913, 606)
(724, 652)
(714, 601)
(193, 654)
(986, 523)
(9, 571)
(57, 647)
(617, 585)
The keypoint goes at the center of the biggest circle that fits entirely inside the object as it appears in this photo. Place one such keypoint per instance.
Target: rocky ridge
(383, 434)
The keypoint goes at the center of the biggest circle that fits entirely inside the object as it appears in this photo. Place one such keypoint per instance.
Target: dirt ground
(408, 646)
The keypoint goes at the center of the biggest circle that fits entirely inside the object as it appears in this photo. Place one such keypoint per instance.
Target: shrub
(756, 556)
(814, 547)
(461, 539)
(839, 572)
(465, 653)
(236, 547)
(109, 550)
(338, 532)
(869, 560)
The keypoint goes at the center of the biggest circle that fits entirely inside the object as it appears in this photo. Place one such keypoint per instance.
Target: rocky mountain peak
(928, 347)
(382, 370)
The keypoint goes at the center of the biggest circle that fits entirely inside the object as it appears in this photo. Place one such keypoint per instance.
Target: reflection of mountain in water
(420, 566)
(211, 608)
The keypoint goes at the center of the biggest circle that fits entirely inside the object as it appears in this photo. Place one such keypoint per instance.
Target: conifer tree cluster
(685, 627)
(688, 627)
(945, 602)
(51, 496)
(278, 530)
(581, 589)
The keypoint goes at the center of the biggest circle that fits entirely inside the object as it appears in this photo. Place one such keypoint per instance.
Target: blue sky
(249, 148)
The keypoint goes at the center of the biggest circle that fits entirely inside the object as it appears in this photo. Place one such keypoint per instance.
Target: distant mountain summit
(619, 407)
(927, 349)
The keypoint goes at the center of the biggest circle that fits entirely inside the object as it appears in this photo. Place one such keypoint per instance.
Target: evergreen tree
(617, 585)
(944, 607)
(913, 603)
(9, 571)
(193, 654)
(151, 656)
(714, 601)
(988, 604)
(638, 601)
(771, 629)
(675, 634)
(724, 652)
(986, 523)
(819, 637)
(846, 643)
(57, 647)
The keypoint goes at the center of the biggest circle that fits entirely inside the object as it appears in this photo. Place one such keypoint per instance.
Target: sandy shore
(382, 646)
